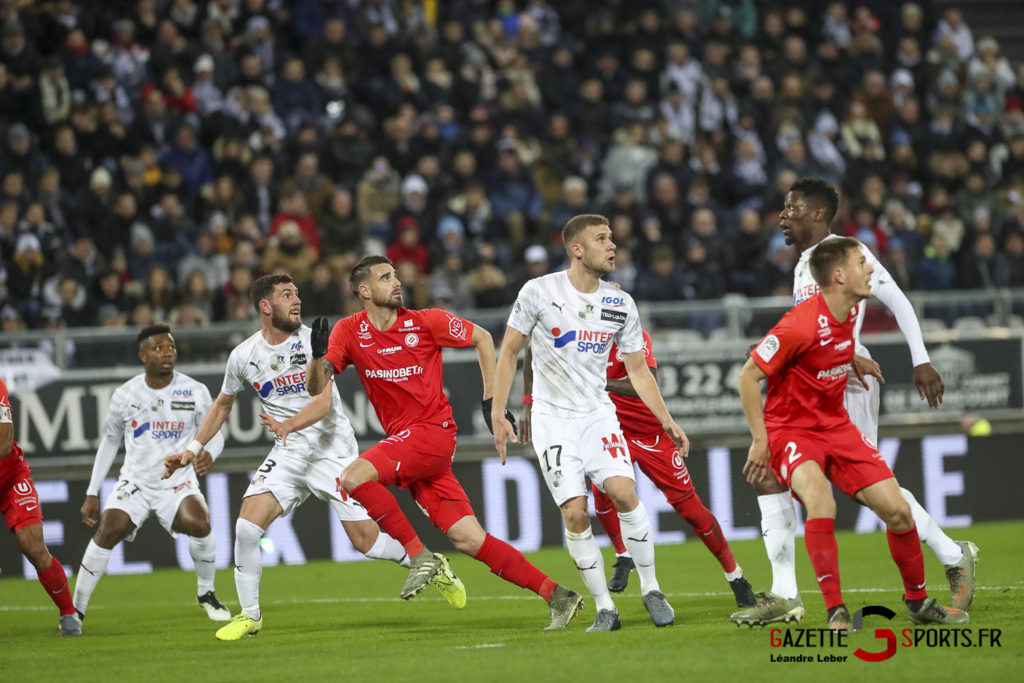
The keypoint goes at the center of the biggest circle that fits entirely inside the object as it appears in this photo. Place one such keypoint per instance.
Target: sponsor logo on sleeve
(768, 347)
(456, 328)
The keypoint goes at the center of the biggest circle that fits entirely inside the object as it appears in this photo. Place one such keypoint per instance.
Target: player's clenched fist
(321, 332)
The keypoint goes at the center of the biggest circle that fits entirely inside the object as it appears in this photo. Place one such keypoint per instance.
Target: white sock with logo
(590, 562)
(636, 536)
(931, 534)
(778, 524)
(94, 565)
(248, 566)
(204, 556)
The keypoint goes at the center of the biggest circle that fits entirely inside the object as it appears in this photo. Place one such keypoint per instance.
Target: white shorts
(863, 403)
(291, 478)
(570, 449)
(138, 500)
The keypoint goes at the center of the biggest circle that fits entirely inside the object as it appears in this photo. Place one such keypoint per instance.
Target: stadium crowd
(157, 156)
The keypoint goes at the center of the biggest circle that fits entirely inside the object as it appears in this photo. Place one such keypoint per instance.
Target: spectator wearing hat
(289, 252)
(294, 207)
(415, 204)
(20, 154)
(26, 276)
(408, 245)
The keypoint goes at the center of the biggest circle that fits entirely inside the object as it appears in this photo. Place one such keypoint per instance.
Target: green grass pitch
(326, 621)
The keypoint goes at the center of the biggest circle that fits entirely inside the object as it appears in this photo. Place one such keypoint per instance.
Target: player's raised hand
(756, 467)
(275, 426)
(864, 367)
(203, 463)
(175, 462)
(929, 384)
(679, 437)
(321, 332)
(525, 425)
(90, 510)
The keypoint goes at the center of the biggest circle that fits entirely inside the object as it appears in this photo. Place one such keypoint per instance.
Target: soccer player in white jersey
(156, 413)
(314, 443)
(572, 318)
(810, 206)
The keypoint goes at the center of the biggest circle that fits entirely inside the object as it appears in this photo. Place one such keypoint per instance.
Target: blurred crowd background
(156, 156)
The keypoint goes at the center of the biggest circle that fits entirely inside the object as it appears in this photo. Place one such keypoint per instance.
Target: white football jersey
(278, 375)
(155, 423)
(804, 285)
(570, 334)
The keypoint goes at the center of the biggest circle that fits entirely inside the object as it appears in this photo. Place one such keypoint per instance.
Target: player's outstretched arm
(311, 413)
(505, 372)
(211, 424)
(646, 389)
(756, 467)
(320, 370)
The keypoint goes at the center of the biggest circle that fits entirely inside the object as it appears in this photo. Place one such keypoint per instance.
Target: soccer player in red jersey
(804, 434)
(19, 503)
(658, 457)
(397, 353)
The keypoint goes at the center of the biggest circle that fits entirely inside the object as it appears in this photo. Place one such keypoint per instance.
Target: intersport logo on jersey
(293, 383)
(586, 341)
(159, 429)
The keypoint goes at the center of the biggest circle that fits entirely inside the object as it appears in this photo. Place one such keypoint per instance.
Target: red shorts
(659, 459)
(846, 457)
(19, 501)
(420, 458)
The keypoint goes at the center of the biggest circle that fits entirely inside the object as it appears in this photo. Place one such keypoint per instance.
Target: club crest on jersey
(277, 363)
(157, 404)
(456, 328)
(587, 312)
(412, 339)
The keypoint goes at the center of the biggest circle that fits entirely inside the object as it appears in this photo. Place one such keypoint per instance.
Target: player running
(156, 413)
(397, 354)
(809, 208)
(656, 454)
(803, 432)
(572, 317)
(313, 443)
(19, 504)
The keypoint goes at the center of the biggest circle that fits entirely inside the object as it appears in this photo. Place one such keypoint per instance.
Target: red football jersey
(807, 357)
(401, 367)
(10, 463)
(635, 418)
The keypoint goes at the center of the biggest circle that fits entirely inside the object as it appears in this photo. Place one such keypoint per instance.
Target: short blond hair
(578, 224)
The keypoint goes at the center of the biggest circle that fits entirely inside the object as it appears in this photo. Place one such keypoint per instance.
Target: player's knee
(899, 517)
(199, 528)
(577, 519)
(769, 486)
(247, 532)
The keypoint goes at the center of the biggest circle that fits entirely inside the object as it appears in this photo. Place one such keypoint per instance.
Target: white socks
(94, 564)
(387, 548)
(931, 534)
(636, 536)
(778, 522)
(248, 566)
(204, 556)
(590, 563)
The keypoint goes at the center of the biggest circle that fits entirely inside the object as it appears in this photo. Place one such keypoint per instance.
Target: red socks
(707, 528)
(509, 564)
(820, 538)
(609, 518)
(905, 548)
(383, 509)
(56, 585)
